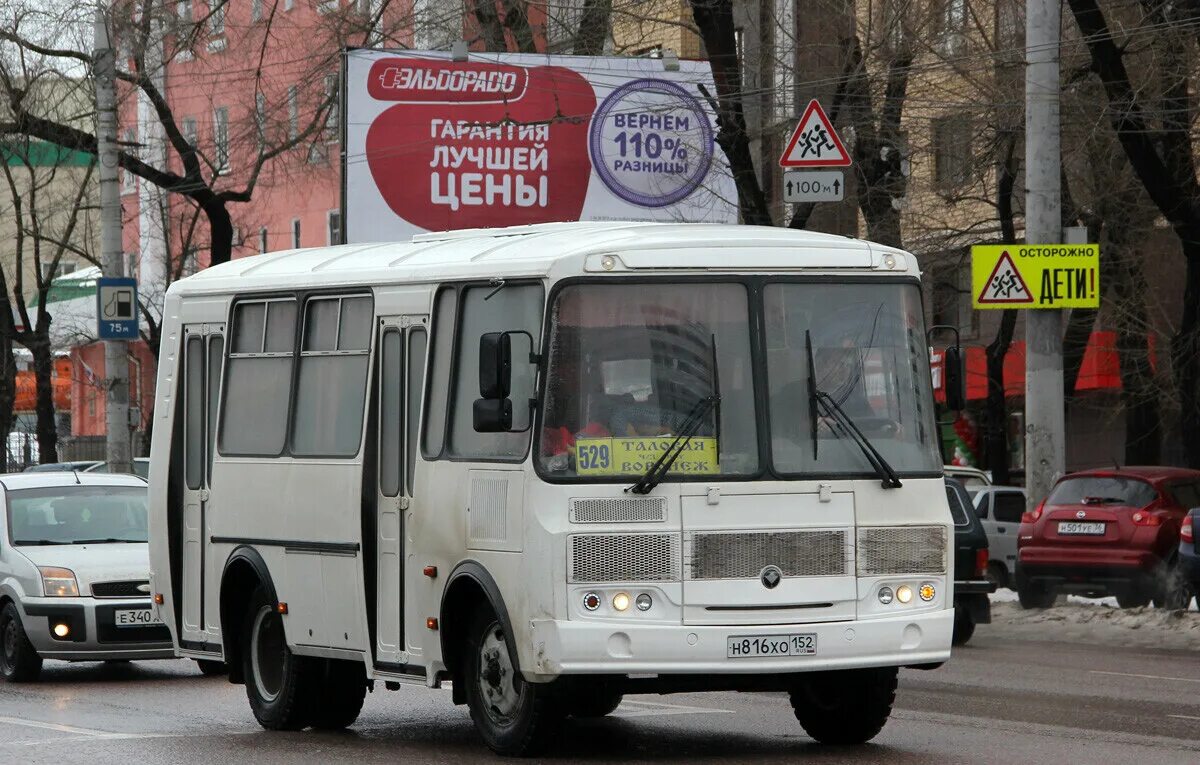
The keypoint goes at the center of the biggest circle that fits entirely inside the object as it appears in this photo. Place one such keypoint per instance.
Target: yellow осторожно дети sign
(1035, 276)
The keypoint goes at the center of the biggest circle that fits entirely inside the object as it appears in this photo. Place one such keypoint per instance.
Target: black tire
(1034, 594)
(1172, 590)
(515, 718)
(597, 701)
(964, 627)
(279, 684)
(847, 706)
(1132, 599)
(341, 687)
(997, 574)
(211, 668)
(19, 662)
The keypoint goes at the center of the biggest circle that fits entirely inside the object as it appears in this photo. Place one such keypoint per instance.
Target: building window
(260, 119)
(256, 9)
(293, 99)
(951, 152)
(262, 239)
(295, 233)
(289, 4)
(333, 226)
(951, 298)
(954, 27)
(128, 144)
(327, 6)
(216, 24)
(64, 267)
(187, 127)
(332, 115)
(221, 139)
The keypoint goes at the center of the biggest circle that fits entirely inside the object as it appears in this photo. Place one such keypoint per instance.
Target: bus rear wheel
(341, 687)
(515, 717)
(279, 683)
(847, 706)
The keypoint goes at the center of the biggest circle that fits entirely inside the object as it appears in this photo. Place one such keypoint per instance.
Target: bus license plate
(135, 617)
(758, 646)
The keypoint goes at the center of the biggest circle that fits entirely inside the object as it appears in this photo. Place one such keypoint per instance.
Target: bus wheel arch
(469, 587)
(245, 571)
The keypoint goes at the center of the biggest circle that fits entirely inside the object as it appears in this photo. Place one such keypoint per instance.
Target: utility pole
(116, 352)
(1045, 420)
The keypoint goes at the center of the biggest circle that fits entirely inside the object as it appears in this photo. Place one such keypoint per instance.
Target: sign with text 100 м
(116, 308)
(1035, 276)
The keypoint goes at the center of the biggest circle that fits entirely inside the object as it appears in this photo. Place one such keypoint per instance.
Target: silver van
(999, 509)
(74, 572)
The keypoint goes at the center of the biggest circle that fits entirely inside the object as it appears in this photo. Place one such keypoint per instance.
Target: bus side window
(331, 384)
(391, 416)
(439, 373)
(417, 340)
(255, 404)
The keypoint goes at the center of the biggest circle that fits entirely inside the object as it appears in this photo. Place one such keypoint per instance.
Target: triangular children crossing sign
(815, 143)
(1005, 285)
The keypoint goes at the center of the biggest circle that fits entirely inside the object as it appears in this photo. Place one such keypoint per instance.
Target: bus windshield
(628, 364)
(864, 346)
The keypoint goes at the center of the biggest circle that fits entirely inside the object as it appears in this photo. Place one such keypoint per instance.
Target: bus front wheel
(279, 683)
(846, 706)
(341, 689)
(515, 717)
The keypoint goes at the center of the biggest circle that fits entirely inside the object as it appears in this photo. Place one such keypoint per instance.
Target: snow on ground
(1096, 621)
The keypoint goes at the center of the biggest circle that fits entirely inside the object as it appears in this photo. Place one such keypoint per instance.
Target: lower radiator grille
(743, 555)
(623, 558)
(901, 550)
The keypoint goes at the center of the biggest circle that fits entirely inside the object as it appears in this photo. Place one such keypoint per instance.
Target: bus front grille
(884, 550)
(743, 555)
(595, 558)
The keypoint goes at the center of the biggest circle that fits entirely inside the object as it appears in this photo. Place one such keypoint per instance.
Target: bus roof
(546, 248)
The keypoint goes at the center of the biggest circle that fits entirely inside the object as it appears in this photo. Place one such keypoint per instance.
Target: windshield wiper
(98, 541)
(20, 542)
(1103, 501)
(655, 474)
(819, 399)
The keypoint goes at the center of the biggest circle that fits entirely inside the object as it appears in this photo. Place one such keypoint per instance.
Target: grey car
(74, 572)
(1000, 509)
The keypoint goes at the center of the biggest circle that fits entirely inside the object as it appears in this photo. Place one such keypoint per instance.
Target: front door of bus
(401, 365)
(203, 349)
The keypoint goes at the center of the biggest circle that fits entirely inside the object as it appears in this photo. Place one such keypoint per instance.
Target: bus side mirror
(495, 365)
(493, 415)
(956, 389)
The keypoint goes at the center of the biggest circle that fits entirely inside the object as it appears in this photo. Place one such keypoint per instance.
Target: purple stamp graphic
(651, 142)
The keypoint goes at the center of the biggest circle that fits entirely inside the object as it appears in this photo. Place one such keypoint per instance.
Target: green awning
(42, 154)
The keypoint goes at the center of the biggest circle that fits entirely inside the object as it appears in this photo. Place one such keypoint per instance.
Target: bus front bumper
(563, 647)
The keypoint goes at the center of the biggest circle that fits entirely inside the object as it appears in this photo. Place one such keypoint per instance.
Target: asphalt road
(998, 701)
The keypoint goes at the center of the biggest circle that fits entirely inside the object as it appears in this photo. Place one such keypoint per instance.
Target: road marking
(57, 727)
(1185, 717)
(1148, 677)
(660, 709)
(83, 734)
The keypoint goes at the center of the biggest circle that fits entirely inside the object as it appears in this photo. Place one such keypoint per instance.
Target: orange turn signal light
(158, 598)
(431, 623)
(430, 571)
(281, 608)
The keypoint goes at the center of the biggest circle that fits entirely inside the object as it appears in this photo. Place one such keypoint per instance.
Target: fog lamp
(904, 593)
(644, 602)
(61, 630)
(621, 601)
(927, 592)
(885, 595)
(591, 601)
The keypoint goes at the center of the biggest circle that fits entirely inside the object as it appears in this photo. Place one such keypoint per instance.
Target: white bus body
(309, 530)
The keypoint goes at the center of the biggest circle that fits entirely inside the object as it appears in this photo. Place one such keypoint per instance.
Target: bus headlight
(904, 593)
(621, 601)
(59, 582)
(885, 595)
(591, 601)
(644, 602)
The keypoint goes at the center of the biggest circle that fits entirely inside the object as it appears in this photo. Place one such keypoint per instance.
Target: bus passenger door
(204, 346)
(401, 351)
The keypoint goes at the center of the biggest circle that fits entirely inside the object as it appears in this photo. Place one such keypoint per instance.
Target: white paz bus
(554, 465)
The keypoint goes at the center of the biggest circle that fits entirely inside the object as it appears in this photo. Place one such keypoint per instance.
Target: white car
(999, 509)
(74, 572)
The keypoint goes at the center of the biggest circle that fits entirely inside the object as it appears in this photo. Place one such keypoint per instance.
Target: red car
(1107, 532)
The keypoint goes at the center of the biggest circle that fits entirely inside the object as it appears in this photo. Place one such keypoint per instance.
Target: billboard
(433, 144)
